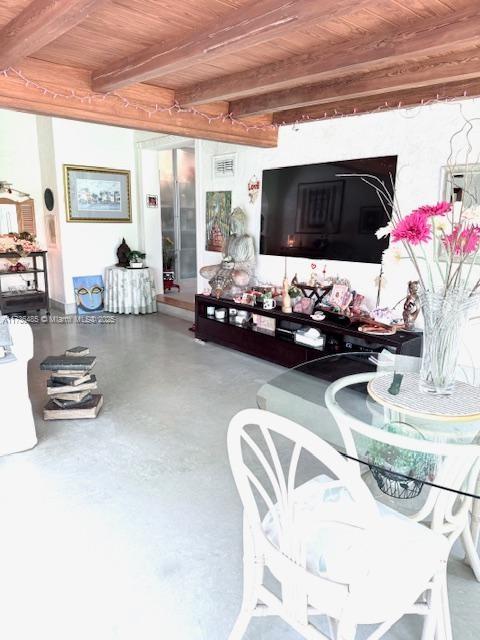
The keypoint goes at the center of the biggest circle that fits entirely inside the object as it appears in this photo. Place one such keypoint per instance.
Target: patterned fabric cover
(129, 291)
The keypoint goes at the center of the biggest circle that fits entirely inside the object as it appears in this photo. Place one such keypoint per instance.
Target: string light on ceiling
(176, 108)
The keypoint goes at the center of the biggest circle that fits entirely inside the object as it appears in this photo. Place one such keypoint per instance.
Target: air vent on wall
(224, 166)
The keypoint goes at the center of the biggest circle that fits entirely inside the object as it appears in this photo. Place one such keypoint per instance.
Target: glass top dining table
(381, 390)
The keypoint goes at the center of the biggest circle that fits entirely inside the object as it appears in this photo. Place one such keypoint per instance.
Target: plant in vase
(168, 254)
(136, 259)
(442, 241)
(295, 294)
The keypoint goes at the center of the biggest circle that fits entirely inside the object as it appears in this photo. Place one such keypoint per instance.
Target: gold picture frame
(97, 194)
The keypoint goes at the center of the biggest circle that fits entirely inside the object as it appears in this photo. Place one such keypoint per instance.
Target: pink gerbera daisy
(439, 209)
(414, 229)
(463, 241)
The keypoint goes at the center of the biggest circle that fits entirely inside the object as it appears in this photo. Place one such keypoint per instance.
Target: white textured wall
(419, 137)
(150, 226)
(89, 247)
(19, 162)
(46, 154)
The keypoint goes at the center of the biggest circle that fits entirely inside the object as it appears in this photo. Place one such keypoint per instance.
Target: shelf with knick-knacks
(32, 294)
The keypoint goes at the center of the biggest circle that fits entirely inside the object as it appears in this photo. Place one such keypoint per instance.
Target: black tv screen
(310, 211)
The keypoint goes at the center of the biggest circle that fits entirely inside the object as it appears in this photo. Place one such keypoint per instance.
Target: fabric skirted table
(129, 290)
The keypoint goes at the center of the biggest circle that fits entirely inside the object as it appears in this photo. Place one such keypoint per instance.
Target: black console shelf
(31, 300)
(341, 336)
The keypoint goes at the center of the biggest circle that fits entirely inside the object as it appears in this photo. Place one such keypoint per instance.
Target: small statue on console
(122, 254)
(286, 300)
(313, 280)
(238, 264)
(412, 306)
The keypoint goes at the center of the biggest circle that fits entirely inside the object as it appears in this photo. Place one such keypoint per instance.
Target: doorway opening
(179, 241)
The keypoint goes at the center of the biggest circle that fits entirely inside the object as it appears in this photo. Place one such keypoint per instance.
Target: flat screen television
(310, 211)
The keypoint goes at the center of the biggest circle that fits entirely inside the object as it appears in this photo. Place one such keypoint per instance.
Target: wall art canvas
(51, 229)
(96, 194)
(89, 294)
(217, 211)
(460, 186)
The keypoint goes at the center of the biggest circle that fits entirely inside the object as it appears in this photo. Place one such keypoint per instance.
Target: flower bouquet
(443, 243)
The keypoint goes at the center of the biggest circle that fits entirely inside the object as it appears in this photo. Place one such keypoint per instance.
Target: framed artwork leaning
(97, 194)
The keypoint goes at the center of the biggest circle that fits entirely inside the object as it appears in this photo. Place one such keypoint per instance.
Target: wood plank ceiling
(181, 66)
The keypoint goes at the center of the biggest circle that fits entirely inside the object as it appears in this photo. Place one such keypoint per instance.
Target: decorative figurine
(286, 300)
(221, 281)
(122, 254)
(411, 308)
(313, 280)
(238, 264)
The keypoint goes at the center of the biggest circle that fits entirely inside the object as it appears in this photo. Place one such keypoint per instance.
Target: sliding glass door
(177, 197)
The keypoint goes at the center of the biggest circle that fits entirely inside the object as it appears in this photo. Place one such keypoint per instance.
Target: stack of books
(71, 385)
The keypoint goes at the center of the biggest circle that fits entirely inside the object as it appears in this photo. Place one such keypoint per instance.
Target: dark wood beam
(41, 22)
(424, 73)
(422, 37)
(250, 25)
(384, 102)
(64, 82)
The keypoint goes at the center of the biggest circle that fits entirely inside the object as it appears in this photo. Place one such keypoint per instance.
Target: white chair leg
(240, 625)
(470, 538)
(332, 627)
(430, 624)
(446, 621)
(471, 553)
(252, 578)
(475, 523)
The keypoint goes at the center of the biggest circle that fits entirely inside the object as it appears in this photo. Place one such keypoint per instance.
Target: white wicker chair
(334, 551)
(445, 511)
(17, 428)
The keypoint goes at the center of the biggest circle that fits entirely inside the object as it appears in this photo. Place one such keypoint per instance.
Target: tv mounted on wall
(311, 211)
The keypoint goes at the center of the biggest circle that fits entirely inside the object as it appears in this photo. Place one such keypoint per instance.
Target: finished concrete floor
(128, 527)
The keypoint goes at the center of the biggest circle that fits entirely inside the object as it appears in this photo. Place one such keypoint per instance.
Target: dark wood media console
(279, 347)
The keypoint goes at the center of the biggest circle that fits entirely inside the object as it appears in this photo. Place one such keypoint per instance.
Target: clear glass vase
(445, 316)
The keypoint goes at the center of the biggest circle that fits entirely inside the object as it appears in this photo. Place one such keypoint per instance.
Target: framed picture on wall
(97, 194)
(217, 218)
(152, 201)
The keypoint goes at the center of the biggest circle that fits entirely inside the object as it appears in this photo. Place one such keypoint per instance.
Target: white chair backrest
(457, 464)
(256, 447)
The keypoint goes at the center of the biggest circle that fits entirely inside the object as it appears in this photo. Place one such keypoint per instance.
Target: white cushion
(329, 527)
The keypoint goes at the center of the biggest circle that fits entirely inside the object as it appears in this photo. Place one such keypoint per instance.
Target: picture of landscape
(98, 194)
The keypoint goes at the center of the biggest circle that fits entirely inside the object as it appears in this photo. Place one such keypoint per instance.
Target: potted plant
(136, 259)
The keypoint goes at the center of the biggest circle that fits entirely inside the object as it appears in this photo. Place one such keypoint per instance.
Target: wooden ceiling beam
(41, 22)
(423, 73)
(422, 37)
(247, 26)
(67, 82)
(384, 102)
